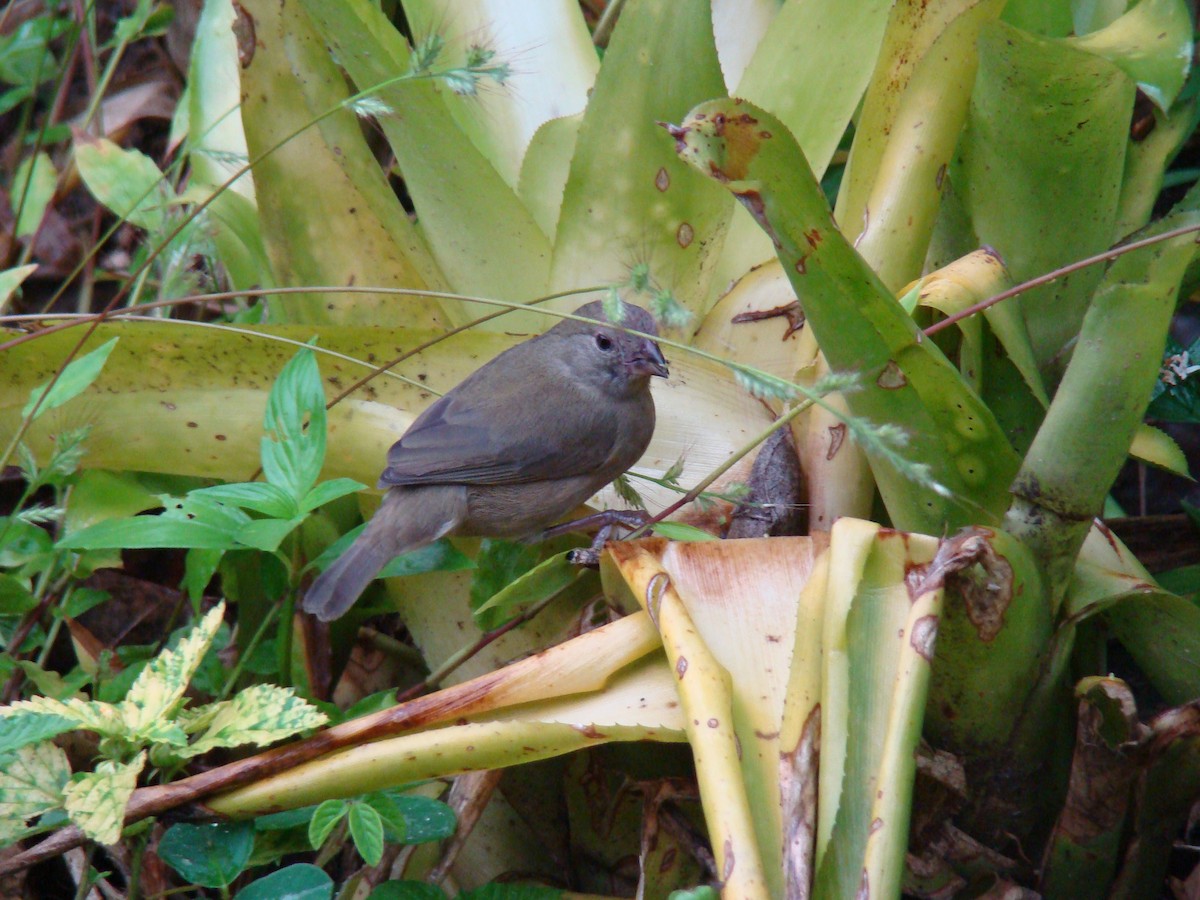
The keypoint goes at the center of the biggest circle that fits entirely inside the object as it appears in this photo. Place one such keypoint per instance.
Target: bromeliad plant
(992, 146)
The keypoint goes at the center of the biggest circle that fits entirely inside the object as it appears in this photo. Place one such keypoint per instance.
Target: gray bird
(513, 448)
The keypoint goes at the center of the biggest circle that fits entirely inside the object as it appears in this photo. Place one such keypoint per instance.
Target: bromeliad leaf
(261, 714)
(906, 380)
(96, 800)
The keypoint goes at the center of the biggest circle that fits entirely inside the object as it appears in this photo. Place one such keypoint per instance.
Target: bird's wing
(491, 430)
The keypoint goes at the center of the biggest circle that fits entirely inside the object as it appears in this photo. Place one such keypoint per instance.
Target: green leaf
(25, 55)
(327, 491)
(149, 19)
(704, 892)
(440, 556)
(210, 855)
(289, 818)
(407, 890)
(1158, 448)
(370, 704)
(366, 828)
(268, 499)
(96, 801)
(51, 683)
(15, 598)
(498, 564)
(677, 531)
(39, 172)
(22, 542)
(126, 181)
(411, 819)
(11, 279)
(545, 580)
(99, 495)
(324, 818)
(394, 822)
(148, 532)
(292, 455)
(76, 378)
(1176, 393)
(511, 892)
(267, 534)
(199, 567)
(301, 881)
(1184, 580)
(20, 729)
(81, 599)
(14, 97)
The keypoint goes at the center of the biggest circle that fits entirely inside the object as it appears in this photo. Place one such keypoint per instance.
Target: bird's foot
(607, 522)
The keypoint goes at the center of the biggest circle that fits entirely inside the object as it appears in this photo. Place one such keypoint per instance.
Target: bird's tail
(396, 528)
(336, 589)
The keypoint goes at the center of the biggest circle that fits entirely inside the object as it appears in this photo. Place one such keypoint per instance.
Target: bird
(514, 447)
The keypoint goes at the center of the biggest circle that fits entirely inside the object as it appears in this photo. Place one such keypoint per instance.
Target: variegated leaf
(159, 688)
(260, 715)
(31, 783)
(96, 800)
(103, 718)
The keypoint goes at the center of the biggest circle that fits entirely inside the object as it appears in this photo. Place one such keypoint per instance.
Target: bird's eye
(604, 342)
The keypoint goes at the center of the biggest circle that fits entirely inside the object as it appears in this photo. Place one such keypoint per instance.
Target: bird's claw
(608, 521)
(586, 557)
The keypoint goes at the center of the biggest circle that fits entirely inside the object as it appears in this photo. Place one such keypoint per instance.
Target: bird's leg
(607, 522)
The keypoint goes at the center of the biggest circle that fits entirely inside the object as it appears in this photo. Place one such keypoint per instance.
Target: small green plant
(151, 725)
(215, 854)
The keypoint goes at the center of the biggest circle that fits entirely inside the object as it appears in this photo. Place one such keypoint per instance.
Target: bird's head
(618, 362)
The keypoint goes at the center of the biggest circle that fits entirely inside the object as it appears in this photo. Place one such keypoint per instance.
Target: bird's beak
(649, 360)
